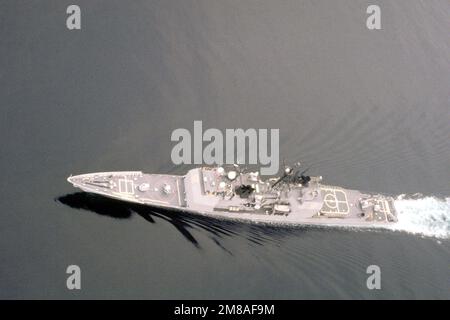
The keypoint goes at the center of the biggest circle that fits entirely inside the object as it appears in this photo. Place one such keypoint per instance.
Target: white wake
(428, 216)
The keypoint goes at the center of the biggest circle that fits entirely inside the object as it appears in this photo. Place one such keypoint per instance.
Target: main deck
(204, 191)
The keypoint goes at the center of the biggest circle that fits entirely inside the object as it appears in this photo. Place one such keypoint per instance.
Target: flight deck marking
(128, 184)
(332, 201)
(179, 195)
(157, 201)
(384, 208)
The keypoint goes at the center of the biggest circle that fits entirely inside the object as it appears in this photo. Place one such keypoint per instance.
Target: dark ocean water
(369, 110)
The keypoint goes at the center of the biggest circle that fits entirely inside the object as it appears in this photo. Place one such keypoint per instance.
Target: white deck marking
(126, 186)
(178, 192)
(153, 200)
(384, 208)
(332, 202)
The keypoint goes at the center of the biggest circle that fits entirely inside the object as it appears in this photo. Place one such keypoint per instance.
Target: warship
(233, 193)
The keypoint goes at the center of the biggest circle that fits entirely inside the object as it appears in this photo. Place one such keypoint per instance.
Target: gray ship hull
(206, 192)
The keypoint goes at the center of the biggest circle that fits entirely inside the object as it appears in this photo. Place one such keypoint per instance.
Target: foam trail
(428, 216)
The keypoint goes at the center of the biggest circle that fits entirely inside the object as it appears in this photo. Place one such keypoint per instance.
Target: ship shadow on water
(122, 210)
(185, 223)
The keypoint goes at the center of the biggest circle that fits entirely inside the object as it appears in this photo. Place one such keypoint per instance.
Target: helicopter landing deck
(335, 202)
